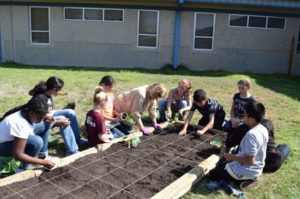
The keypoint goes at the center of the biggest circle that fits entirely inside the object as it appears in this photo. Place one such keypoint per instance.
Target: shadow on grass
(281, 83)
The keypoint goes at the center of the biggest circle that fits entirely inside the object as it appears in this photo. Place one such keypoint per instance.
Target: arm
(18, 153)
(209, 125)
(249, 160)
(170, 99)
(188, 107)
(234, 120)
(186, 123)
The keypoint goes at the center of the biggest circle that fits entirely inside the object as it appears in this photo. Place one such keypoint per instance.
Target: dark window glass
(276, 22)
(148, 22)
(73, 13)
(39, 19)
(93, 14)
(204, 24)
(149, 41)
(113, 15)
(40, 37)
(203, 43)
(238, 20)
(257, 22)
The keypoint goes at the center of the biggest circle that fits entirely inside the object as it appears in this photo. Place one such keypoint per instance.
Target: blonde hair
(245, 82)
(99, 97)
(158, 90)
(187, 84)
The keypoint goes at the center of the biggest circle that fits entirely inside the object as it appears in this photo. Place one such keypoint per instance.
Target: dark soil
(121, 172)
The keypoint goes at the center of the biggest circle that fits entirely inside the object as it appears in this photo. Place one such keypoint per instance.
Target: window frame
(30, 26)
(83, 14)
(238, 26)
(212, 37)
(77, 8)
(157, 30)
(278, 18)
(104, 10)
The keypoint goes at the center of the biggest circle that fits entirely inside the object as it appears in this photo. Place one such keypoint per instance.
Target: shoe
(19, 170)
(248, 185)
(69, 153)
(82, 142)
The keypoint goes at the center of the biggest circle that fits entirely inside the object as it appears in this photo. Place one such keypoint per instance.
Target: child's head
(244, 85)
(100, 97)
(107, 82)
(254, 113)
(37, 108)
(200, 97)
(185, 85)
(157, 90)
(53, 83)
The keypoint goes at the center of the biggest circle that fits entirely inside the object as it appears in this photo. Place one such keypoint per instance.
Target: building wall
(239, 49)
(114, 44)
(90, 43)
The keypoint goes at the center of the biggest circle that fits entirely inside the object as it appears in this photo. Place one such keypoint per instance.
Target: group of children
(24, 130)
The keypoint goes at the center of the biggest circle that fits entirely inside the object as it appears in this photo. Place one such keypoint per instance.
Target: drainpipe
(177, 35)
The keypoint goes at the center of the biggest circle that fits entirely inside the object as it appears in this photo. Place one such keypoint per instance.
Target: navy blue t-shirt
(239, 103)
(211, 107)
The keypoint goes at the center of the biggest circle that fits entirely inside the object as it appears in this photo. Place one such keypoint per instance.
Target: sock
(229, 189)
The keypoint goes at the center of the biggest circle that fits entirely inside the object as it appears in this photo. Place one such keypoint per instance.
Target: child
(237, 107)
(212, 113)
(16, 134)
(179, 100)
(139, 99)
(248, 164)
(95, 123)
(112, 117)
(66, 119)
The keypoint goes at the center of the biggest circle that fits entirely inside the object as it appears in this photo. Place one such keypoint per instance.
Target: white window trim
(248, 16)
(113, 20)
(157, 30)
(77, 8)
(83, 14)
(31, 31)
(210, 37)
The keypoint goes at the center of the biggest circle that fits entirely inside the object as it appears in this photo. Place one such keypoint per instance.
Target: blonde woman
(137, 100)
(179, 101)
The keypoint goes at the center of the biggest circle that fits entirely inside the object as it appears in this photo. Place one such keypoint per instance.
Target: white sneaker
(52, 158)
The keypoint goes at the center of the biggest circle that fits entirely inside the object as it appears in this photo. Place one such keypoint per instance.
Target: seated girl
(179, 100)
(95, 124)
(17, 138)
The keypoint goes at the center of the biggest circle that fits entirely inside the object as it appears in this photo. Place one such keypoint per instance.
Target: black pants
(276, 157)
(220, 173)
(218, 122)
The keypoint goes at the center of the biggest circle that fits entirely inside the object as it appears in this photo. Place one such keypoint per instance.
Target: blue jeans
(116, 132)
(66, 132)
(34, 145)
(175, 107)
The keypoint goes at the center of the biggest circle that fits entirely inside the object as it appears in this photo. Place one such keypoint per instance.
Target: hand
(145, 131)
(63, 122)
(47, 163)
(235, 122)
(182, 132)
(229, 156)
(200, 132)
(181, 111)
(157, 127)
(169, 114)
(49, 118)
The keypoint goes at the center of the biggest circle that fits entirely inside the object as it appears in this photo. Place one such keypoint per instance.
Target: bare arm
(170, 99)
(249, 160)
(189, 105)
(18, 153)
(209, 125)
(186, 123)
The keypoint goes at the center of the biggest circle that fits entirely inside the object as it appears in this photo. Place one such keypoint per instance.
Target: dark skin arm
(18, 153)
(249, 160)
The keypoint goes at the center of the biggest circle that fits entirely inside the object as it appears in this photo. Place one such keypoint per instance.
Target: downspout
(177, 34)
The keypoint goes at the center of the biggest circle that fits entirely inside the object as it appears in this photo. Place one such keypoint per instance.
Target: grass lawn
(279, 93)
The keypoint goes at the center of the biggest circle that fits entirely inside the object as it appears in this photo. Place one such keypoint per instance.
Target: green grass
(279, 93)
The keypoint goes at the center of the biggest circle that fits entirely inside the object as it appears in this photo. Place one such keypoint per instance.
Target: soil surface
(121, 172)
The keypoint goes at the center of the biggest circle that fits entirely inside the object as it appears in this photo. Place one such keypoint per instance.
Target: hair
(157, 88)
(99, 96)
(245, 82)
(255, 110)
(35, 104)
(199, 95)
(42, 87)
(107, 80)
(187, 84)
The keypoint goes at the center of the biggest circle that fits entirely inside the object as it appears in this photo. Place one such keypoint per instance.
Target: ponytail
(11, 111)
(41, 87)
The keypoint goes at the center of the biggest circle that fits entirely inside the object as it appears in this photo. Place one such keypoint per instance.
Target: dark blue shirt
(211, 107)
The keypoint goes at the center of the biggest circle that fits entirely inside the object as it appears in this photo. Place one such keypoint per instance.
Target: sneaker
(69, 153)
(82, 142)
(248, 185)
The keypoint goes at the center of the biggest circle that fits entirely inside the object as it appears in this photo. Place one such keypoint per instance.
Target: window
(148, 28)
(298, 43)
(39, 25)
(93, 14)
(275, 22)
(257, 21)
(238, 20)
(113, 15)
(73, 13)
(204, 31)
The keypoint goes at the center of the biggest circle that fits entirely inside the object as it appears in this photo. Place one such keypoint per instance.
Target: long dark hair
(35, 104)
(42, 87)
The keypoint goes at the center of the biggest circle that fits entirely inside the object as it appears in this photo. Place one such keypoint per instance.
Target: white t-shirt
(253, 144)
(13, 126)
